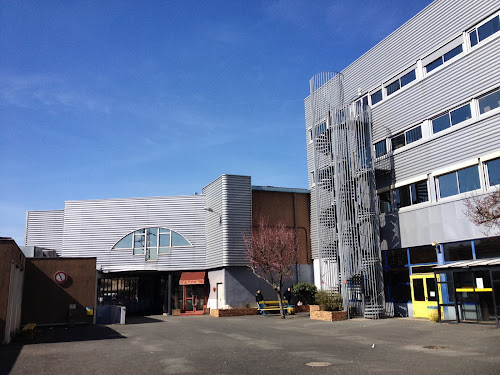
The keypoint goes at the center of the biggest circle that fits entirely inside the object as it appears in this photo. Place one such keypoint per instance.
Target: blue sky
(106, 99)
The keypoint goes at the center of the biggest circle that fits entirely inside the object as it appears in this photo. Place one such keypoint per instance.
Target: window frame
(457, 179)
(474, 31)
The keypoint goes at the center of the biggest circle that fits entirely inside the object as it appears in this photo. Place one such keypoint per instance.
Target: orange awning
(192, 278)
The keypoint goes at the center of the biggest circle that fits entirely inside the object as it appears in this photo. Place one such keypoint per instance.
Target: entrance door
(193, 298)
(423, 293)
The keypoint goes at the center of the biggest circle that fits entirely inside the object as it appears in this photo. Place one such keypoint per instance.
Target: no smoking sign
(60, 277)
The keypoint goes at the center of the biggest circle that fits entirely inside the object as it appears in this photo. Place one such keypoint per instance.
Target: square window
(398, 141)
(408, 77)
(493, 171)
(380, 148)
(393, 87)
(413, 135)
(403, 198)
(433, 65)
(419, 193)
(441, 123)
(460, 114)
(454, 52)
(468, 179)
(448, 185)
(489, 102)
(376, 97)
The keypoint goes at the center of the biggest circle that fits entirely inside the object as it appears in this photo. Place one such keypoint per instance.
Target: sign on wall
(60, 277)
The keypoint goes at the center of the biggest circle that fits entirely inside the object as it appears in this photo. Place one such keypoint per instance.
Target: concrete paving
(257, 345)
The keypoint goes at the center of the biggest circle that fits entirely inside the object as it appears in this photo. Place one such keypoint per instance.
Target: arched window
(151, 242)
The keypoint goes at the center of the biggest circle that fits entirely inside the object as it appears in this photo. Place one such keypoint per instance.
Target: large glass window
(376, 97)
(457, 251)
(489, 102)
(380, 148)
(482, 32)
(411, 194)
(493, 167)
(151, 242)
(450, 118)
(457, 182)
(487, 248)
(423, 254)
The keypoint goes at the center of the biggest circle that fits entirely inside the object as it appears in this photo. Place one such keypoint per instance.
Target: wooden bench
(266, 306)
(29, 330)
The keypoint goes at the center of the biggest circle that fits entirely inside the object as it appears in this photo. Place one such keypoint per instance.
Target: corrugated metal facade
(92, 228)
(45, 229)
(213, 223)
(237, 217)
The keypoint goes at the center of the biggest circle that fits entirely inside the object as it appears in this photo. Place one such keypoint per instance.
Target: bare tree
(484, 211)
(272, 254)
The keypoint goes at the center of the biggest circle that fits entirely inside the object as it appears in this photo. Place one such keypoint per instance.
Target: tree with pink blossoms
(272, 253)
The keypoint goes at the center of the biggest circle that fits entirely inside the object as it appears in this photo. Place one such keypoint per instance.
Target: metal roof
(281, 189)
(471, 263)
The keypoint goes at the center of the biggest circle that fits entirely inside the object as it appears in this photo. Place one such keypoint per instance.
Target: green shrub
(329, 301)
(305, 292)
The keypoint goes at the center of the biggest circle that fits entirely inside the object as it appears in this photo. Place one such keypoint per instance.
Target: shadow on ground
(53, 334)
(141, 320)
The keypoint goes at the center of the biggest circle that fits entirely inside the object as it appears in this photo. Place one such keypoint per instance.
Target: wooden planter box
(328, 316)
(221, 313)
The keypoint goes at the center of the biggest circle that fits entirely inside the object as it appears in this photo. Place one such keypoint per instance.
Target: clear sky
(107, 99)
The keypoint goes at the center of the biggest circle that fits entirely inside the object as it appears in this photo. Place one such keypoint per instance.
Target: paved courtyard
(257, 345)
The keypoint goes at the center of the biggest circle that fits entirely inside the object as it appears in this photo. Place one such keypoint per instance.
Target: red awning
(192, 278)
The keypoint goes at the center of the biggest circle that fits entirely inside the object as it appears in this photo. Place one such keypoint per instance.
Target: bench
(29, 330)
(266, 306)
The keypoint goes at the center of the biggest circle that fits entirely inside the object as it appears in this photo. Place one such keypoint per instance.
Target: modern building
(420, 112)
(190, 248)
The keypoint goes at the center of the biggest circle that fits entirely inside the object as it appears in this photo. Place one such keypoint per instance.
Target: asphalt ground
(257, 345)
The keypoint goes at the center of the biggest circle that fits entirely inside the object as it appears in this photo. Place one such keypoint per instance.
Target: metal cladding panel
(436, 24)
(236, 218)
(45, 229)
(213, 224)
(466, 143)
(310, 167)
(92, 228)
(452, 85)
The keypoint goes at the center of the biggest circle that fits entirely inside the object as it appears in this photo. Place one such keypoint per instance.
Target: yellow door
(423, 293)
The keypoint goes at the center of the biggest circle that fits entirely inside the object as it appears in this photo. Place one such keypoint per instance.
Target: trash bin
(123, 311)
(432, 312)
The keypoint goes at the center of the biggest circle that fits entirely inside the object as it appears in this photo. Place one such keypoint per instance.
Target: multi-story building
(432, 89)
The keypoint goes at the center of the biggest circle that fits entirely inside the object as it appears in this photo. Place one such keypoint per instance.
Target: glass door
(194, 298)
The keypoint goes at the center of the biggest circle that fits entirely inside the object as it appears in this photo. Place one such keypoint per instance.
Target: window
(482, 32)
(457, 251)
(487, 248)
(321, 128)
(384, 201)
(493, 167)
(423, 254)
(445, 57)
(451, 118)
(489, 102)
(151, 242)
(400, 82)
(457, 182)
(411, 194)
(380, 148)
(406, 138)
(376, 97)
